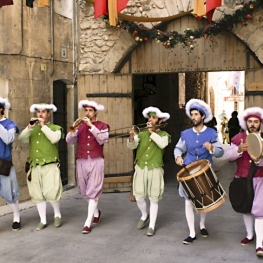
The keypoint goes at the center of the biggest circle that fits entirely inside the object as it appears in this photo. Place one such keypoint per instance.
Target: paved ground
(116, 239)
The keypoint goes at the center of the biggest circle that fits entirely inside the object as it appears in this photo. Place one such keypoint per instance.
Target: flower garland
(189, 36)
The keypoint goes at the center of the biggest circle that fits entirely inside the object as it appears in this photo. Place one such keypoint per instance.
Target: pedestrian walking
(90, 135)
(250, 121)
(196, 143)
(148, 177)
(9, 188)
(43, 177)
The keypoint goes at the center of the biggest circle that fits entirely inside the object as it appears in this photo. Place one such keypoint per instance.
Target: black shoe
(204, 232)
(189, 240)
(16, 226)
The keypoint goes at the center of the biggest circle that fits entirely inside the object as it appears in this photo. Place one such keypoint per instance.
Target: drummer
(250, 121)
(199, 142)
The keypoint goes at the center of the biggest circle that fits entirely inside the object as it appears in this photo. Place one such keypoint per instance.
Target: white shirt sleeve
(7, 136)
(53, 136)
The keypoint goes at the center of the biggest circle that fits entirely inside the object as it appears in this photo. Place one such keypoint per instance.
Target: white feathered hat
(161, 115)
(90, 103)
(253, 112)
(201, 106)
(4, 103)
(43, 106)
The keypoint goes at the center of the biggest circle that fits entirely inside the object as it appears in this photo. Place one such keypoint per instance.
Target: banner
(6, 2)
(101, 7)
(237, 76)
(211, 5)
(199, 8)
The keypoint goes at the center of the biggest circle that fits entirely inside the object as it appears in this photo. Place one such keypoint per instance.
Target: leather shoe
(96, 220)
(57, 221)
(86, 230)
(16, 226)
(246, 241)
(41, 226)
(150, 232)
(204, 232)
(259, 252)
(189, 240)
(141, 224)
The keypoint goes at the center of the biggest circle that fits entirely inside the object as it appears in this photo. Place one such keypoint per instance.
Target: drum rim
(189, 177)
(257, 136)
(213, 206)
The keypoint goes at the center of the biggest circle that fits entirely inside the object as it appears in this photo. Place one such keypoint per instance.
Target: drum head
(254, 142)
(192, 170)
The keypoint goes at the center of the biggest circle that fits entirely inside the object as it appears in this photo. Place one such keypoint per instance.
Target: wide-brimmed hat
(43, 106)
(91, 103)
(4, 103)
(147, 112)
(196, 104)
(253, 112)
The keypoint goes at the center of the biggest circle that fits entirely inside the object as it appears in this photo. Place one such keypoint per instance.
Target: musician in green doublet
(43, 178)
(148, 176)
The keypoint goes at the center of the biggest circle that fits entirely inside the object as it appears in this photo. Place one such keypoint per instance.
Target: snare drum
(254, 142)
(201, 185)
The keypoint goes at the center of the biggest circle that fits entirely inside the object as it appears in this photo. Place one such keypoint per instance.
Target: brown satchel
(5, 167)
(132, 197)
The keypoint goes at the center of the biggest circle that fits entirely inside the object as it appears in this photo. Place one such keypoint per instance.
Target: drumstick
(186, 168)
(213, 142)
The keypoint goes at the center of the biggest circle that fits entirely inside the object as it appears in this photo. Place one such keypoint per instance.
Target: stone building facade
(37, 53)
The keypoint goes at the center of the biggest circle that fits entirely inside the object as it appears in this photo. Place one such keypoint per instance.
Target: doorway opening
(60, 118)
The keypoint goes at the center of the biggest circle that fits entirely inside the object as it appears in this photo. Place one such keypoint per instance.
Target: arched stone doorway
(227, 53)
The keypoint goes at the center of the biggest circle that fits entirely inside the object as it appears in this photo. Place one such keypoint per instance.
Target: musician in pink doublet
(90, 136)
(250, 121)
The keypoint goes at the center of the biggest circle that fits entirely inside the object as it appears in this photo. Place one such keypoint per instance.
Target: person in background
(212, 124)
(233, 125)
(9, 188)
(225, 130)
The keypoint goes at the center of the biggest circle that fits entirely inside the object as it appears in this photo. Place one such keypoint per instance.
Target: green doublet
(149, 154)
(42, 151)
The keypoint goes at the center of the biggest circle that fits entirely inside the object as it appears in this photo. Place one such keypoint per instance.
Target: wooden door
(115, 93)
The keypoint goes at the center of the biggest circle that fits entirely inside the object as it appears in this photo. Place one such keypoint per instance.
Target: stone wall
(103, 48)
(30, 60)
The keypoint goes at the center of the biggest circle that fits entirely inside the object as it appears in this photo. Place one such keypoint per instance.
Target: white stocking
(249, 220)
(91, 209)
(259, 232)
(15, 208)
(153, 214)
(42, 208)
(202, 220)
(190, 217)
(56, 207)
(143, 208)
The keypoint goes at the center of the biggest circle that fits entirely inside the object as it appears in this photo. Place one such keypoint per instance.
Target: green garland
(188, 37)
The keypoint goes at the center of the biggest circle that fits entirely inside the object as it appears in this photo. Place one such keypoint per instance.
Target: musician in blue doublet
(9, 188)
(197, 143)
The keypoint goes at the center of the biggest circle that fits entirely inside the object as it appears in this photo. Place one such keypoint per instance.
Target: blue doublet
(9, 188)
(194, 144)
(6, 149)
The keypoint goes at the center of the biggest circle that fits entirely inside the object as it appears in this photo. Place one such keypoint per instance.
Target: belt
(45, 163)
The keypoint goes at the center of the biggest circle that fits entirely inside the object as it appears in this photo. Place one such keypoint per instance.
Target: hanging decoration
(189, 37)
(110, 7)
(6, 2)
